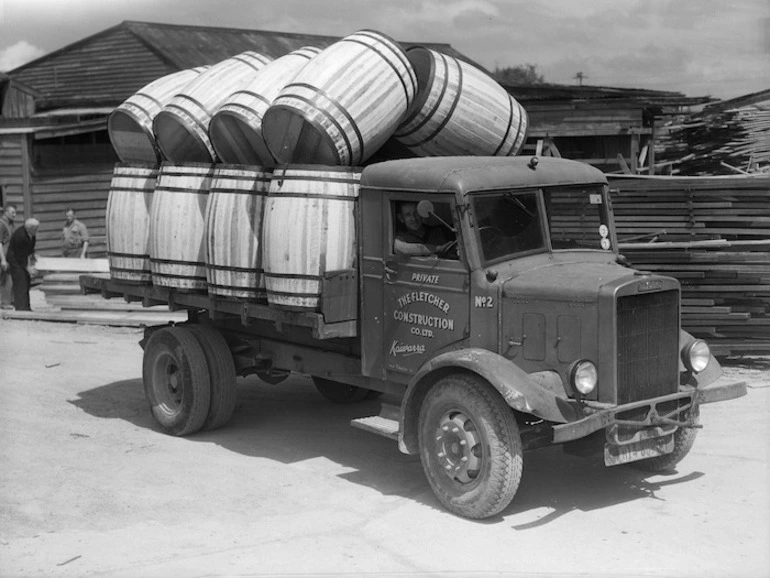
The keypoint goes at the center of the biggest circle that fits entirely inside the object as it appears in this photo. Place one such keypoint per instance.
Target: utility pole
(580, 76)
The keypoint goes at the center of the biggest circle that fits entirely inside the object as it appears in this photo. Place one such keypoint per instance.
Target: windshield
(577, 218)
(511, 223)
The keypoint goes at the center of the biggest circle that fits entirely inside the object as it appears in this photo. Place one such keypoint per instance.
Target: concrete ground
(90, 487)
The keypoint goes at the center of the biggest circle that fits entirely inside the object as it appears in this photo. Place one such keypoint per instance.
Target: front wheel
(470, 446)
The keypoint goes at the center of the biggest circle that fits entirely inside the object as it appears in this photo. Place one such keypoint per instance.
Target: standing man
(6, 230)
(21, 255)
(74, 237)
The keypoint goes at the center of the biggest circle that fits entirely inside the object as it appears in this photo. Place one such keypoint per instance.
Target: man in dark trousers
(21, 255)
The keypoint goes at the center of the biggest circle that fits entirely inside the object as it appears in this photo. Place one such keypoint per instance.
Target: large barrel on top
(460, 110)
(234, 218)
(178, 226)
(236, 128)
(343, 105)
(309, 231)
(130, 124)
(182, 127)
(128, 222)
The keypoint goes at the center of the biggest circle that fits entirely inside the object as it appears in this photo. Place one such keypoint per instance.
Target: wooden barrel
(178, 226)
(343, 105)
(130, 124)
(309, 230)
(128, 222)
(460, 110)
(234, 218)
(182, 127)
(236, 128)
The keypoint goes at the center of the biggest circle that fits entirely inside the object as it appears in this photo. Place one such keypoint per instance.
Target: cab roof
(472, 173)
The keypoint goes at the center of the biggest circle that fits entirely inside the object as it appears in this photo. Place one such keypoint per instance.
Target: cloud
(17, 54)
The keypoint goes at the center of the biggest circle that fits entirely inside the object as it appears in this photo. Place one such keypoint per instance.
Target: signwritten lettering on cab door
(421, 322)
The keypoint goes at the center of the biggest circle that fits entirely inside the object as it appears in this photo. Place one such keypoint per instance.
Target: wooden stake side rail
(151, 295)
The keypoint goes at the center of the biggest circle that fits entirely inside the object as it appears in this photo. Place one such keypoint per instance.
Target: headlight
(696, 355)
(584, 376)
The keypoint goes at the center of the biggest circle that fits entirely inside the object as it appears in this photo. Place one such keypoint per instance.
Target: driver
(415, 237)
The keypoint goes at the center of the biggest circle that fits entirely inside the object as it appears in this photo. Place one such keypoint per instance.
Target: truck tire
(684, 438)
(221, 375)
(339, 392)
(470, 446)
(176, 380)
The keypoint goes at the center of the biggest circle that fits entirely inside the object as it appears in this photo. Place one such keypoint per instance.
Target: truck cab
(533, 306)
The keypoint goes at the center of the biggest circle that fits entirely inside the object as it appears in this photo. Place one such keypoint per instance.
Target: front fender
(541, 395)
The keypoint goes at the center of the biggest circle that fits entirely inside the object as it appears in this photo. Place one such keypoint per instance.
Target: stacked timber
(66, 303)
(718, 141)
(713, 235)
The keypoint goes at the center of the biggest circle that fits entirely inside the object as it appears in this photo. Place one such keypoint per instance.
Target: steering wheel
(450, 251)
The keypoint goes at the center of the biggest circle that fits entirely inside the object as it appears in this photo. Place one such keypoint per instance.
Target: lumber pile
(719, 140)
(61, 289)
(713, 235)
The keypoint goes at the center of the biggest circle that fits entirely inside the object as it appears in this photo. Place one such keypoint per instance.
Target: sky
(718, 48)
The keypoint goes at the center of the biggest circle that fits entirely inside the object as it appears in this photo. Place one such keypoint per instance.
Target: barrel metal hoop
(507, 129)
(250, 93)
(454, 103)
(255, 270)
(305, 277)
(158, 261)
(312, 196)
(229, 191)
(289, 294)
(248, 62)
(128, 255)
(429, 115)
(334, 121)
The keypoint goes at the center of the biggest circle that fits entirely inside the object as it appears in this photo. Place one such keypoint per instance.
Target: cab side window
(424, 230)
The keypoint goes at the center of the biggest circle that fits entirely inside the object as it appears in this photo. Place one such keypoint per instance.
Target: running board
(385, 424)
(378, 425)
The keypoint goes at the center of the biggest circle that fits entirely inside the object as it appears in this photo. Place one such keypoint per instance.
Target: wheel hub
(168, 388)
(458, 447)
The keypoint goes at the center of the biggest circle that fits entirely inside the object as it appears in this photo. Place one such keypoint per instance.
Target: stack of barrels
(240, 179)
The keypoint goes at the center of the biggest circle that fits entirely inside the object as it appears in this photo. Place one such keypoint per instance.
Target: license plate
(649, 448)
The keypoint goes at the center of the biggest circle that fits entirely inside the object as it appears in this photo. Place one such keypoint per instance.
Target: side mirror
(425, 209)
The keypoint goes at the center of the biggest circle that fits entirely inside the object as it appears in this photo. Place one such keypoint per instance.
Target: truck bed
(216, 307)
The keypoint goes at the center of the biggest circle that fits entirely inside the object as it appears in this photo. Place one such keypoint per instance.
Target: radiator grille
(648, 345)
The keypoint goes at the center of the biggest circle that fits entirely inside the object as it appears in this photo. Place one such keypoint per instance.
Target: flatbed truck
(531, 330)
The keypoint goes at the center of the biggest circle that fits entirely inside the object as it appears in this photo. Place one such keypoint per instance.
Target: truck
(529, 330)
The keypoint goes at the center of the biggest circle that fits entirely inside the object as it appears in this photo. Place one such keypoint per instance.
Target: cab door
(425, 298)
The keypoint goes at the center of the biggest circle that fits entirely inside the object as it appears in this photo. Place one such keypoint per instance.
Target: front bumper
(653, 417)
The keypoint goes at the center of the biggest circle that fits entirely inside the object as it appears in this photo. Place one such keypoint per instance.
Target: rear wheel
(221, 375)
(176, 380)
(339, 392)
(470, 446)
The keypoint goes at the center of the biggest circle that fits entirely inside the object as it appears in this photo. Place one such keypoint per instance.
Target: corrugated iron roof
(108, 67)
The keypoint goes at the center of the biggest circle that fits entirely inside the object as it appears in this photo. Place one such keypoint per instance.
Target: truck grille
(648, 345)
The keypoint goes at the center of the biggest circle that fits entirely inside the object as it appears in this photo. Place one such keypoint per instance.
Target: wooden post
(651, 149)
(634, 153)
(26, 170)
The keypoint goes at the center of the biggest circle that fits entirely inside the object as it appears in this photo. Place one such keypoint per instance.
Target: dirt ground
(90, 487)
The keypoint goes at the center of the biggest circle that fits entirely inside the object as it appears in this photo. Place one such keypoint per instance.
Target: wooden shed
(614, 129)
(55, 151)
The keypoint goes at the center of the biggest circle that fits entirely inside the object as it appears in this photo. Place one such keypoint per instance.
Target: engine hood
(573, 282)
